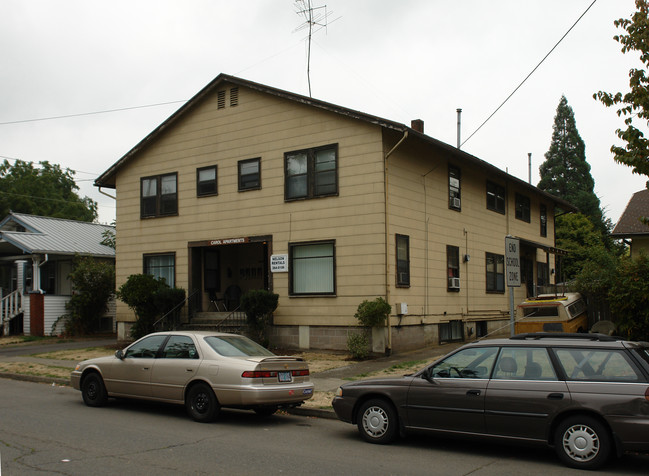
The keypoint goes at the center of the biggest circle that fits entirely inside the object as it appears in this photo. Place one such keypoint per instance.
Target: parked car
(586, 395)
(205, 371)
(565, 312)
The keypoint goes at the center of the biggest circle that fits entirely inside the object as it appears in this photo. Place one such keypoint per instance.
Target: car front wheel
(93, 390)
(201, 403)
(582, 442)
(377, 421)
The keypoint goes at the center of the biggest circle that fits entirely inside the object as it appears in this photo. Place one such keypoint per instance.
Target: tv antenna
(315, 18)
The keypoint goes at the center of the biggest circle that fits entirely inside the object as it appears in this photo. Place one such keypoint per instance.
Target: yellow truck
(552, 313)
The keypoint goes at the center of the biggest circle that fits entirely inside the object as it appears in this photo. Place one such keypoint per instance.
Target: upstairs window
(403, 260)
(159, 196)
(522, 207)
(495, 197)
(454, 196)
(311, 173)
(544, 220)
(249, 174)
(206, 181)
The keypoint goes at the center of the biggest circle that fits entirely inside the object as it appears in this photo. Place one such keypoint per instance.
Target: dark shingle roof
(630, 223)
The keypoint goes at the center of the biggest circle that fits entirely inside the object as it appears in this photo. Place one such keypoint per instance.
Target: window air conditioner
(457, 202)
(454, 283)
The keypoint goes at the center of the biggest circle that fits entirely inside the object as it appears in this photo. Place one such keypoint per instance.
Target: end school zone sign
(512, 261)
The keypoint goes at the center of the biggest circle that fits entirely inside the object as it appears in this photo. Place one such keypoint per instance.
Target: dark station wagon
(586, 395)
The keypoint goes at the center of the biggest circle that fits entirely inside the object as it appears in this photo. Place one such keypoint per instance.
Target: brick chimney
(418, 125)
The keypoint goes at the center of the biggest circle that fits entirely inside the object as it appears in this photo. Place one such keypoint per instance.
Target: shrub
(358, 345)
(629, 297)
(93, 282)
(150, 299)
(259, 305)
(373, 313)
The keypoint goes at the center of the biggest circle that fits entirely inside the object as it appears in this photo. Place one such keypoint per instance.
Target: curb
(37, 379)
(312, 412)
(306, 412)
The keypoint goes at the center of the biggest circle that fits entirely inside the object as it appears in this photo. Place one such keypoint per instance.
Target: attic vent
(220, 99)
(234, 97)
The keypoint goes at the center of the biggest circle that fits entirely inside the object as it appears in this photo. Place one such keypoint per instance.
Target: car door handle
(473, 393)
(555, 396)
(189, 370)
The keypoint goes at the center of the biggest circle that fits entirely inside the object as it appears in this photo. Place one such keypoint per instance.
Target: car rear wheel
(93, 390)
(377, 421)
(582, 442)
(201, 403)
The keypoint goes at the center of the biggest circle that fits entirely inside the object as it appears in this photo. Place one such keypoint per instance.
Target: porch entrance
(223, 269)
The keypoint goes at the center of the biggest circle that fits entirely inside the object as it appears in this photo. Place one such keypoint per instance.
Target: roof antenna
(314, 17)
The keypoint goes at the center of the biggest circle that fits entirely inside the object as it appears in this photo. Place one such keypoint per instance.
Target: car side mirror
(119, 354)
(428, 374)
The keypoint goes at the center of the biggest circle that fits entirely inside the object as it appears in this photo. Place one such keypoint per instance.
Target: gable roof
(40, 235)
(107, 179)
(630, 224)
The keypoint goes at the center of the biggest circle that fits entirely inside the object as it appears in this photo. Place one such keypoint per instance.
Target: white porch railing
(10, 306)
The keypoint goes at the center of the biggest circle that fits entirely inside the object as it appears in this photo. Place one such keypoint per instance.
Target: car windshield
(236, 346)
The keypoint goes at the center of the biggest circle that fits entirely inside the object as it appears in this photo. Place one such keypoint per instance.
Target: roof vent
(234, 97)
(418, 125)
(220, 99)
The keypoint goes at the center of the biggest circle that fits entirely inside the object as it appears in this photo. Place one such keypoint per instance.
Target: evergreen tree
(565, 172)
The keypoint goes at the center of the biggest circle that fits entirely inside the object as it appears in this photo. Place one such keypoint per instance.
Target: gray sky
(397, 59)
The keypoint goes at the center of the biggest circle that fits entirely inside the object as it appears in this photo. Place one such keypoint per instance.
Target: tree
(634, 104)
(576, 234)
(566, 173)
(94, 283)
(46, 190)
(629, 296)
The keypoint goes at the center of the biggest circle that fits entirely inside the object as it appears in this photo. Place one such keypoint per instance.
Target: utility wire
(531, 73)
(91, 113)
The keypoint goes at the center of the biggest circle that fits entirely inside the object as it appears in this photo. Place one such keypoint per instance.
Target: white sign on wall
(279, 263)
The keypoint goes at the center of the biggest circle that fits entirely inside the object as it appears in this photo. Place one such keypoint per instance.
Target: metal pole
(459, 126)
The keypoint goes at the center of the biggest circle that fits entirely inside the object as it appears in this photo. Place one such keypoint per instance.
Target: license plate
(284, 376)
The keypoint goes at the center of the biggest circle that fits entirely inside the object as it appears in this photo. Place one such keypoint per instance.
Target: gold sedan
(205, 371)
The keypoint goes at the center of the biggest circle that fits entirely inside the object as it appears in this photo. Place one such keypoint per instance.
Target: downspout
(107, 194)
(387, 235)
(37, 275)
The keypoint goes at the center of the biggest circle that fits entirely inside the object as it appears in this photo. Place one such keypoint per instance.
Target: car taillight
(259, 374)
(646, 394)
(301, 373)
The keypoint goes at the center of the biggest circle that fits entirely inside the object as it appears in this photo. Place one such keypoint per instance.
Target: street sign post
(513, 272)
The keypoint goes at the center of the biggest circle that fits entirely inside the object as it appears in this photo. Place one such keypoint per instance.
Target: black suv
(587, 395)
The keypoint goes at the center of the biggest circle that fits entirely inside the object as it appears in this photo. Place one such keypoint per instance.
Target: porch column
(20, 275)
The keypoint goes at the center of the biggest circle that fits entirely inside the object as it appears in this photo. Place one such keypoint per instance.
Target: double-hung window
(206, 181)
(544, 219)
(161, 266)
(453, 268)
(250, 174)
(159, 195)
(312, 268)
(403, 260)
(311, 173)
(495, 197)
(522, 207)
(454, 192)
(495, 271)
